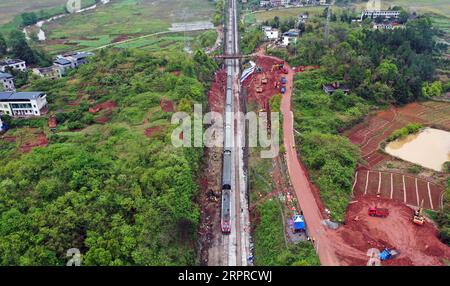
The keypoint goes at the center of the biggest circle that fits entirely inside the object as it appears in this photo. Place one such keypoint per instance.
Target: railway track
(234, 209)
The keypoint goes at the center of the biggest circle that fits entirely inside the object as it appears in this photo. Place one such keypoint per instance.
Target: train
(225, 220)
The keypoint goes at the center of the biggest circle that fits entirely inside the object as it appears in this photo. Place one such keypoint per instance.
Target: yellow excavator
(419, 218)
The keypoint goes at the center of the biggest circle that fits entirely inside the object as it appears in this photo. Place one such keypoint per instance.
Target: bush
(411, 128)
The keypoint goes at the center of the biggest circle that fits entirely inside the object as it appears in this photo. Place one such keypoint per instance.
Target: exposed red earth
(108, 105)
(167, 105)
(39, 140)
(149, 132)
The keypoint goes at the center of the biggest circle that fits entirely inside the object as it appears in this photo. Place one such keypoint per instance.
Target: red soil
(120, 38)
(418, 245)
(177, 73)
(39, 141)
(411, 197)
(102, 120)
(216, 95)
(149, 132)
(167, 105)
(108, 105)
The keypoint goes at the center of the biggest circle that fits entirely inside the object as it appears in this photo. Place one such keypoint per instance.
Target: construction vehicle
(387, 254)
(378, 212)
(278, 66)
(284, 70)
(418, 217)
(258, 69)
(259, 89)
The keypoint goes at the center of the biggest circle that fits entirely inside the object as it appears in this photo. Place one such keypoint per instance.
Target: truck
(387, 254)
(299, 223)
(378, 212)
(283, 80)
(418, 217)
(283, 90)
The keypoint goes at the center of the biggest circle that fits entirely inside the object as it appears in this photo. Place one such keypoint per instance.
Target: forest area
(121, 197)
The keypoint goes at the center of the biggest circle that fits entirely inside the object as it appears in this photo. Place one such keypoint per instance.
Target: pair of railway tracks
(234, 207)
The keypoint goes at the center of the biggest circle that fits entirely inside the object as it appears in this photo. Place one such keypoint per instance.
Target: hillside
(109, 181)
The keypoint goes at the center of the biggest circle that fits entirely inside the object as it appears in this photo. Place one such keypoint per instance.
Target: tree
(20, 48)
(3, 46)
(433, 89)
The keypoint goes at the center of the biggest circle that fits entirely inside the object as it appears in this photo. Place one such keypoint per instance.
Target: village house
(264, 3)
(331, 88)
(7, 81)
(387, 26)
(15, 64)
(290, 37)
(386, 14)
(271, 33)
(71, 60)
(23, 104)
(52, 72)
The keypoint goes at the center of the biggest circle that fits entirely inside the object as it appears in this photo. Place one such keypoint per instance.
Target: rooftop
(62, 61)
(5, 75)
(7, 62)
(9, 96)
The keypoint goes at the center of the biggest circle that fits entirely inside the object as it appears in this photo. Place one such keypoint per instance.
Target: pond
(429, 148)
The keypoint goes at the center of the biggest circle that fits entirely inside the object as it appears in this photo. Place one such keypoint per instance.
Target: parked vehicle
(387, 254)
(378, 212)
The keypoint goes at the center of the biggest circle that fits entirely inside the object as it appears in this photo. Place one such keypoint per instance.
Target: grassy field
(10, 8)
(122, 18)
(282, 13)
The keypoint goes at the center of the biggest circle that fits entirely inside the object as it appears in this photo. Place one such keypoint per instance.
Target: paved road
(301, 185)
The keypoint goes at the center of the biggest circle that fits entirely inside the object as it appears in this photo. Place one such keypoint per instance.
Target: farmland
(122, 19)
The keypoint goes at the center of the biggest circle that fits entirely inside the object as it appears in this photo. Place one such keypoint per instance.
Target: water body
(41, 34)
(429, 148)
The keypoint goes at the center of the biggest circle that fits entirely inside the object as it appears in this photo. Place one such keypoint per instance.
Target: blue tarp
(299, 222)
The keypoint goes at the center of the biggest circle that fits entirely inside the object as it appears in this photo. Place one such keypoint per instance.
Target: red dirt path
(39, 141)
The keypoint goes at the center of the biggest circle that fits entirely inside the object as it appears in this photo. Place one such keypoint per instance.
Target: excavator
(418, 217)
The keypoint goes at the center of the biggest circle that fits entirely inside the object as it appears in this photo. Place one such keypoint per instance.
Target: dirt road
(300, 181)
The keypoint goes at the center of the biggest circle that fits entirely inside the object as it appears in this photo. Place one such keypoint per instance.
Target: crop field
(404, 188)
(439, 7)
(123, 19)
(282, 13)
(11, 8)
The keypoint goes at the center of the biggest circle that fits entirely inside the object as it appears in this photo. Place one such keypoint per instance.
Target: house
(63, 65)
(331, 88)
(290, 37)
(71, 60)
(52, 72)
(302, 17)
(8, 81)
(271, 33)
(15, 64)
(23, 104)
(264, 3)
(387, 14)
(277, 3)
(387, 26)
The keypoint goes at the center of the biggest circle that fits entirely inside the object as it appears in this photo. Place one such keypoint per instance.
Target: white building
(7, 81)
(264, 3)
(271, 33)
(14, 64)
(71, 60)
(23, 104)
(380, 13)
(290, 37)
